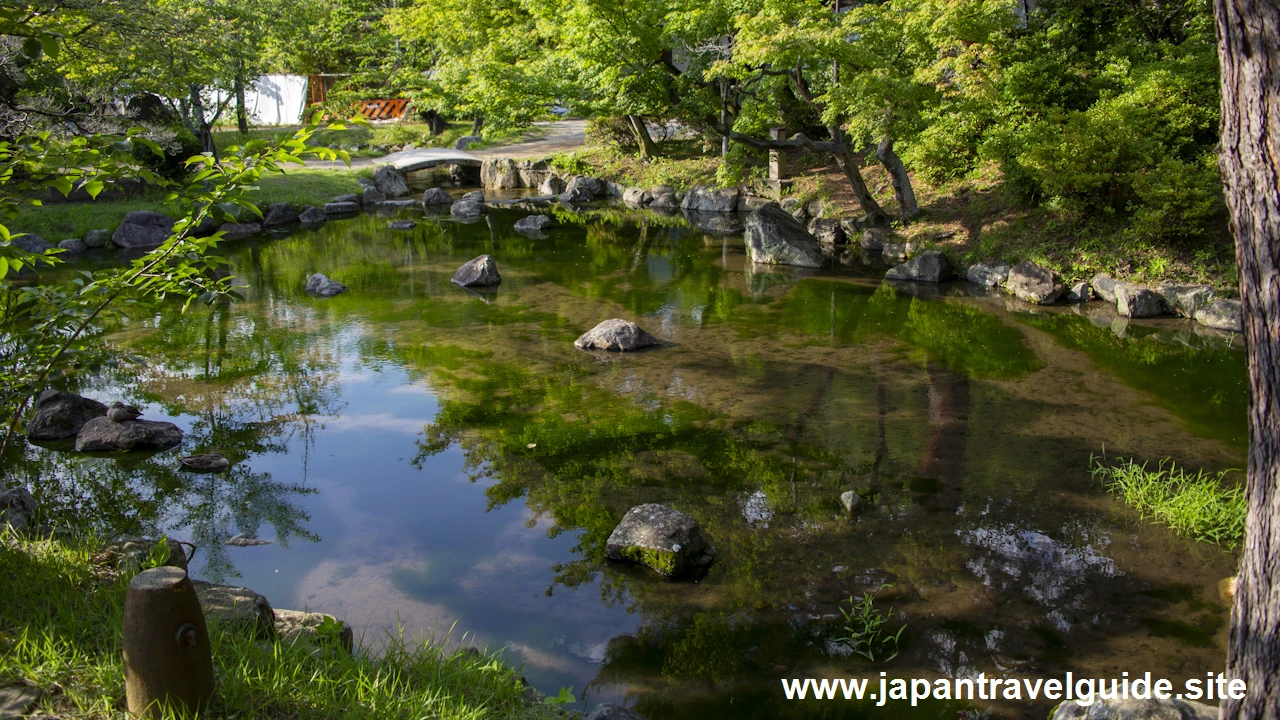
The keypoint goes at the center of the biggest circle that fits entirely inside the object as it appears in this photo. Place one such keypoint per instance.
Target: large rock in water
(1185, 300)
(341, 208)
(665, 540)
(987, 275)
(703, 198)
(1131, 709)
(615, 334)
(468, 208)
(97, 238)
(103, 435)
(312, 216)
(281, 213)
(436, 196)
(1135, 301)
(478, 272)
(929, 266)
(31, 243)
(1221, 315)
(319, 284)
(636, 197)
(60, 415)
(16, 508)
(143, 230)
(390, 182)
(532, 222)
(773, 237)
(1031, 283)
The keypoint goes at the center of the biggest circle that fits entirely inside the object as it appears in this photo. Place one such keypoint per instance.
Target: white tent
(276, 100)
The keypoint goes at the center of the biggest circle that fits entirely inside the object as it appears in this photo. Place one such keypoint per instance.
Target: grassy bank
(60, 621)
(300, 186)
(386, 136)
(1205, 507)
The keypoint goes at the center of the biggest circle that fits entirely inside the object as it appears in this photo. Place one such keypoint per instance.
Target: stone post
(777, 157)
(167, 660)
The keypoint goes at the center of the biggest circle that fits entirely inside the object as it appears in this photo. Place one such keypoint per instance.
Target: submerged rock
(532, 222)
(278, 214)
(616, 335)
(664, 540)
(143, 230)
(16, 508)
(849, 500)
(102, 435)
(987, 275)
(60, 415)
(205, 462)
(1131, 709)
(1221, 315)
(243, 540)
(319, 284)
(1135, 301)
(774, 237)
(402, 225)
(478, 272)
(436, 196)
(1031, 283)
(341, 208)
(929, 266)
(468, 208)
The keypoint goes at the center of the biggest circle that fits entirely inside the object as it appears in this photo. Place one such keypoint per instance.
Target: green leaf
(93, 187)
(31, 48)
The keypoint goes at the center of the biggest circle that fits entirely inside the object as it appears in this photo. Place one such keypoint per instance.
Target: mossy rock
(664, 540)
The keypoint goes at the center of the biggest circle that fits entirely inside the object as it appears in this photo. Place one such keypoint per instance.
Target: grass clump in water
(60, 621)
(1200, 505)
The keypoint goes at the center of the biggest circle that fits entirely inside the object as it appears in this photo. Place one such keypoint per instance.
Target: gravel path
(552, 137)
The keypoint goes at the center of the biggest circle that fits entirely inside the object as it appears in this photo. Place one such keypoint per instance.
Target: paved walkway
(552, 137)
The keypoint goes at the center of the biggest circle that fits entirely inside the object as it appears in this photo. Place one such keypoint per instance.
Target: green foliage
(564, 697)
(869, 628)
(1200, 505)
(171, 164)
(159, 554)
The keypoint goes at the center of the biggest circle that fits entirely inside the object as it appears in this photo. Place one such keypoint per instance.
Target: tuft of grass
(60, 631)
(1200, 505)
(869, 630)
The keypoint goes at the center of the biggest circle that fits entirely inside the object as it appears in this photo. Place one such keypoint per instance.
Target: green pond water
(426, 456)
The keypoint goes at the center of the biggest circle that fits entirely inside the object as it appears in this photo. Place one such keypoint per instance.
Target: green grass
(60, 631)
(1200, 506)
(385, 135)
(300, 186)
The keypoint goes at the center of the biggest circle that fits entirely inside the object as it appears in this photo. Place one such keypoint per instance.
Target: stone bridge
(420, 159)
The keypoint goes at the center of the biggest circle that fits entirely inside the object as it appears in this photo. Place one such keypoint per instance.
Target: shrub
(178, 145)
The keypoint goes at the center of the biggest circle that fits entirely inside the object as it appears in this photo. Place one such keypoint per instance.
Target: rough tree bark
(648, 148)
(1249, 157)
(242, 112)
(476, 124)
(908, 208)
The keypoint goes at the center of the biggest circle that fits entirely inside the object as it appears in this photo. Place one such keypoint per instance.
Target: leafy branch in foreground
(45, 330)
(868, 628)
(1200, 506)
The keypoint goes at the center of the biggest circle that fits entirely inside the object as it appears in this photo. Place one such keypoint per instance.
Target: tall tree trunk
(908, 209)
(1249, 55)
(476, 124)
(203, 132)
(435, 124)
(647, 147)
(849, 166)
(242, 112)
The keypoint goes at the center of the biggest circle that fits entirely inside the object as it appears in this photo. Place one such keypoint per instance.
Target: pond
(447, 462)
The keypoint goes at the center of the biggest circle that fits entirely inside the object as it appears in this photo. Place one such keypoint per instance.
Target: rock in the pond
(1171, 709)
(1221, 315)
(436, 196)
(1034, 284)
(473, 196)
(312, 215)
(1185, 300)
(72, 246)
(551, 185)
(826, 230)
(873, 238)
(636, 197)
(1079, 293)
(774, 237)
(576, 195)
(17, 701)
(616, 335)
(135, 552)
(143, 230)
(533, 222)
(59, 415)
(929, 266)
(236, 608)
(235, 231)
(468, 208)
(341, 208)
(592, 186)
(205, 462)
(103, 435)
(703, 198)
(390, 181)
(319, 284)
(244, 540)
(987, 275)
(664, 201)
(478, 272)
(902, 250)
(402, 225)
(278, 214)
(665, 540)
(348, 198)
(1104, 286)
(313, 629)
(16, 509)
(97, 238)
(609, 711)
(1135, 301)
(849, 500)
(372, 196)
(752, 203)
